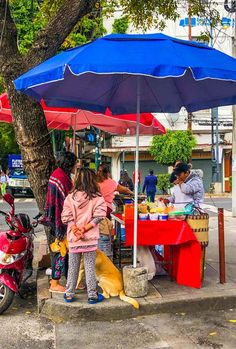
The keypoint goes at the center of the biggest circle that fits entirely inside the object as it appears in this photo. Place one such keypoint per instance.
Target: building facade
(120, 150)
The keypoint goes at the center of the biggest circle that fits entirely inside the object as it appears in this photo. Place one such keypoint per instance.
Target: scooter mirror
(9, 199)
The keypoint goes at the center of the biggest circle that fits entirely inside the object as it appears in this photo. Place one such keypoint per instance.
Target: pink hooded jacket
(79, 210)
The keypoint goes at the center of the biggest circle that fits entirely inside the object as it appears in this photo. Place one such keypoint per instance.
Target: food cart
(184, 248)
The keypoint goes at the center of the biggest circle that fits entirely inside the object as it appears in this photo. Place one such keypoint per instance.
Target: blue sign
(198, 21)
(15, 161)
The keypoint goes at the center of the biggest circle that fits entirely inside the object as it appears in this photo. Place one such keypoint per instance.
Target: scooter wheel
(6, 297)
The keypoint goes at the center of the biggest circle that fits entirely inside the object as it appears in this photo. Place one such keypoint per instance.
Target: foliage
(7, 140)
(120, 25)
(29, 20)
(30, 17)
(174, 145)
(163, 183)
(230, 183)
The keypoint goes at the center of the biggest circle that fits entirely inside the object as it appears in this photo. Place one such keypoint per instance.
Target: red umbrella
(65, 118)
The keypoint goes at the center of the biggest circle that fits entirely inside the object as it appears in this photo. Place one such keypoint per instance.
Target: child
(83, 209)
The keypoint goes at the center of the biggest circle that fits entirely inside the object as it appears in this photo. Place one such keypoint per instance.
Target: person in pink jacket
(83, 209)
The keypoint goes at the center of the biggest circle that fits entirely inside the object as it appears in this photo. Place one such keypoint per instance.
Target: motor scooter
(16, 252)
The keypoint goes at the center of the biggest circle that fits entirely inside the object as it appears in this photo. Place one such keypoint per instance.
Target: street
(195, 330)
(211, 329)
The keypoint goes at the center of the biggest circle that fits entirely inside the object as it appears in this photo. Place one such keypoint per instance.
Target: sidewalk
(163, 296)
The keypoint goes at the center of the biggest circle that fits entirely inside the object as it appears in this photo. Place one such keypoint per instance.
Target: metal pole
(97, 149)
(212, 147)
(54, 143)
(123, 160)
(189, 117)
(214, 118)
(74, 134)
(234, 139)
(221, 238)
(136, 176)
(217, 146)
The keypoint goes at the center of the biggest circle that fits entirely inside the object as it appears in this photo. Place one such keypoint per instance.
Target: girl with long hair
(83, 209)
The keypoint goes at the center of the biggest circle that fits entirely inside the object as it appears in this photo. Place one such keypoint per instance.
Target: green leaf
(174, 145)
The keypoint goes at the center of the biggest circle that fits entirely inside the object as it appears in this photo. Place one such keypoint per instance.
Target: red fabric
(65, 118)
(186, 248)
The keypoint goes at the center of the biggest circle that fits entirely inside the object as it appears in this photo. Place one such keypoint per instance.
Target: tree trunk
(34, 141)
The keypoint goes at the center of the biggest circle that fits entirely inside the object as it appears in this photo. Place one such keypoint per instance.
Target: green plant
(163, 183)
(172, 146)
(230, 182)
(120, 25)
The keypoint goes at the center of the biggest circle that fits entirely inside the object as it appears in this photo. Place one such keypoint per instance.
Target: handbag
(199, 222)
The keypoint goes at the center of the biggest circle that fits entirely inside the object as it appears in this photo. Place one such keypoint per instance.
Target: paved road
(23, 329)
(226, 203)
(22, 205)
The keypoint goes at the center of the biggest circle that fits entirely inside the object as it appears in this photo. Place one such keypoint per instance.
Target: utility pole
(232, 9)
(234, 137)
(190, 115)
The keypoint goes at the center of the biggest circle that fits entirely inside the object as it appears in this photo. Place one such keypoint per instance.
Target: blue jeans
(151, 196)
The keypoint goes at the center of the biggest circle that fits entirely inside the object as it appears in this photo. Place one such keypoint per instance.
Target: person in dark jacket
(126, 181)
(150, 183)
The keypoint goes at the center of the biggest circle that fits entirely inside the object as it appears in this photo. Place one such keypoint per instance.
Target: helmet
(22, 223)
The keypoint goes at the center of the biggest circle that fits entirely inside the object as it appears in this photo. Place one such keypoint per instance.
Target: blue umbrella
(173, 74)
(133, 74)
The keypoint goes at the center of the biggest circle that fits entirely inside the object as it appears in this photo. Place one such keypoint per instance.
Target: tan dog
(109, 279)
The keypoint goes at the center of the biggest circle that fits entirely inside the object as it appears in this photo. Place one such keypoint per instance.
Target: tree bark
(29, 120)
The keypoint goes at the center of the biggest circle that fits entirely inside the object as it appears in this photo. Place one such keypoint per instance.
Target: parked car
(18, 183)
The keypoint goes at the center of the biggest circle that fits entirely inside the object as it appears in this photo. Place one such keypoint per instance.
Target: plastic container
(160, 249)
(153, 216)
(122, 233)
(143, 216)
(163, 217)
(129, 211)
(177, 217)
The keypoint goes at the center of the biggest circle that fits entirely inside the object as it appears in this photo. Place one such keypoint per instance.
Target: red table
(179, 235)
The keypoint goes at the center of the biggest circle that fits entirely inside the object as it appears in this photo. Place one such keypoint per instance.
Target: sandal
(68, 299)
(99, 299)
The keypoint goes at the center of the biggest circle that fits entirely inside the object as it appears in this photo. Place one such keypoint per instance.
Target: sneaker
(99, 299)
(48, 272)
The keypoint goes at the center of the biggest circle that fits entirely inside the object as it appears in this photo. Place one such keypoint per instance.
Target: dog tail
(130, 300)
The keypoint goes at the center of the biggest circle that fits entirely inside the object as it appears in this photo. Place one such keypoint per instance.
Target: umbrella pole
(136, 177)
(74, 134)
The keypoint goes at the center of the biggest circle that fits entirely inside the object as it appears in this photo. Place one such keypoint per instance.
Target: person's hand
(78, 232)
(166, 201)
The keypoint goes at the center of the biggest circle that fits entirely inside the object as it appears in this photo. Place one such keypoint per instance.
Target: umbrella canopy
(173, 73)
(65, 118)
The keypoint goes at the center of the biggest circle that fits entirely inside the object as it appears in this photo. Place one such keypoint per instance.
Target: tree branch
(52, 37)
(9, 53)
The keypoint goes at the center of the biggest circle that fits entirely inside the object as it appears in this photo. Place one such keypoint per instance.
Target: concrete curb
(114, 309)
(43, 293)
(110, 310)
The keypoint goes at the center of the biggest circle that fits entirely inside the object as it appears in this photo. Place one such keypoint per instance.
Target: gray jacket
(193, 186)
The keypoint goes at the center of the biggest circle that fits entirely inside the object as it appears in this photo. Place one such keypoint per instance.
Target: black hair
(103, 172)
(172, 178)
(66, 161)
(181, 167)
(151, 172)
